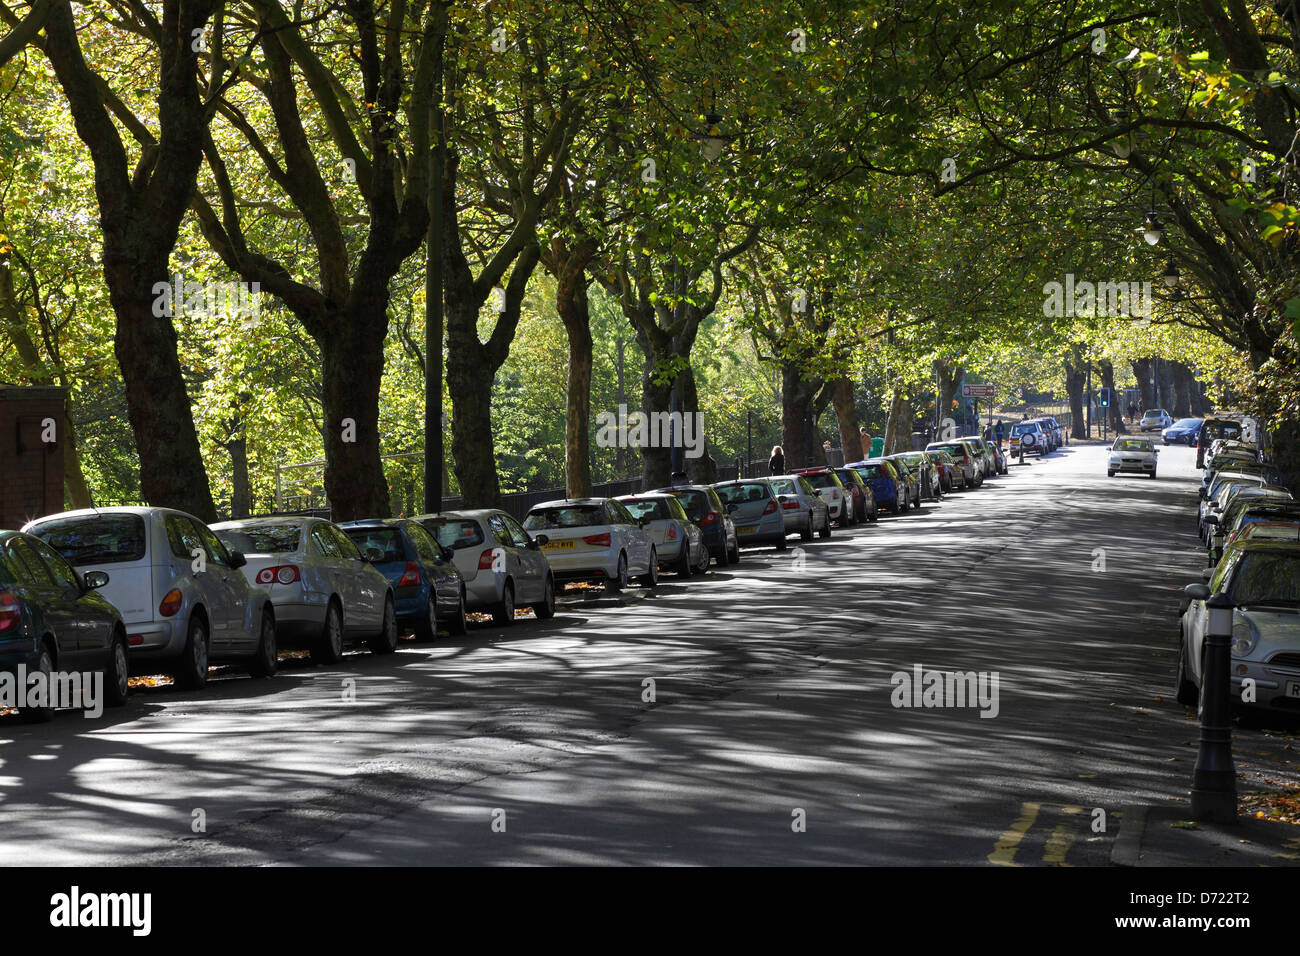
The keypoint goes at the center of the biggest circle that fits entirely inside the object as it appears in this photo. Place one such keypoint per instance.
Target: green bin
(877, 447)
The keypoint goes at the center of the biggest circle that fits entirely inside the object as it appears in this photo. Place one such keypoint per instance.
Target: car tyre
(1185, 692)
(826, 528)
(703, 566)
(651, 577)
(782, 544)
(733, 553)
(117, 674)
(546, 609)
(328, 648)
(385, 642)
(45, 665)
(458, 626)
(685, 568)
(192, 670)
(620, 579)
(426, 629)
(1110, 474)
(266, 659)
(503, 612)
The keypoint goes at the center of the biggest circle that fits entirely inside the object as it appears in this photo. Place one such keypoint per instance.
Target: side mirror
(1202, 493)
(1212, 519)
(237, 559)
(731, 508)
(94, 579)
(447, 553)
(1198, 592)
(1206, 574)
(540, 539)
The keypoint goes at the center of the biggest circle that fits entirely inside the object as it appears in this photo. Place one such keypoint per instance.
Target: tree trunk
(846, 413)
(1184, 383)
(574, 309)
(1114, 414)
(950, 377)
(1076, 376)
(702, 469)
(656, 396)
(796, 436)
(241, 491)
(1142, 372)
(898, 433)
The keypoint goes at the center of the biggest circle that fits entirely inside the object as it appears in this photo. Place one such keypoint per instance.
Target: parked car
(889, 485)
(946, 469)
(839, 500)
(1212, 429)
(999, 457)
(323, 592)
(1029, 438)
(1060, 437)
(1260, 574)
(1210, 493)
(678, 541)
(802, 507)
(1231, 498)
(1244, 512)
(594, 539)
(427, 589)
(1182, 432)
(965, 458)
(705, 508)
(501, 566)
(1155, 420)
(53, 619)
(752, 504)
(927, 476)
(182, 599)
(1134, 455)
(864, 498)
(983, 452)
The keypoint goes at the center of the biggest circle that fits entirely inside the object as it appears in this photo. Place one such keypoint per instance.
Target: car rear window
(1219, 429)
(823, 480)
(646, 508)
(95, 539)
(565, 516)
(454, 533)
(262, 539)
(736, 494)
(871, 471)
(785, 487)
(695, 502)
(388, 541)
(847, 475)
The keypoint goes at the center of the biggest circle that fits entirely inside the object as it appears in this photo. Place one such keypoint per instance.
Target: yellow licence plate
(747, 529)
(564, 545)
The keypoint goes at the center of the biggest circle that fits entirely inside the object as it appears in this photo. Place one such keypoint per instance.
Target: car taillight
(672, 532)
(771, 507)
(411, 576)
(789, 505)
(11, 612)
(485, 560)
(282, 574)
(171, 603)
(599, 540)
(709, 519)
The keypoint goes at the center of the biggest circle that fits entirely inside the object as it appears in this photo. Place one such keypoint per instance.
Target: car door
(639, 544)
(58, 608)
(366, 586)
(242, 633)
(93, 622)
(443, 573)
(186, 546)
(531, 557)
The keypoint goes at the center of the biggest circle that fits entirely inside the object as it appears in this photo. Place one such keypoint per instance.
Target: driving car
(1132, 454)
(502, 567)
(705, 508)
(323, 592)
(802, 508)
(180, 592)
(839, 500)
(889, 486)
(1260, 575)
(1182, 432)
(679, 542)
(54, 620)
(594, 539)
(754, 507)
(1155, 420)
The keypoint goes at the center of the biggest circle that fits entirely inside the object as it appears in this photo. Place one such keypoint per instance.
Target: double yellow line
(1058, 844)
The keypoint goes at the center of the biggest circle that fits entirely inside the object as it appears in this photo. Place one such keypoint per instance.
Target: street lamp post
(1214, 780)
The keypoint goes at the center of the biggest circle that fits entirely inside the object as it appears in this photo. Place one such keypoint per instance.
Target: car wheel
(192, 670)
(782, 544)
(45, 665)
(117, 674)
(266, 660)
(619, 581)
(874, 514)
(1153, 473)
(426, 629)
(703, 566)
(385, 642)
(894, 506)
(651, 577)
(503, 612)
(546, 609)
(826, 528)
(458, 626)
(1110, 474)
(685, 567)
(328, 648)
(733, 553)
(806, 534)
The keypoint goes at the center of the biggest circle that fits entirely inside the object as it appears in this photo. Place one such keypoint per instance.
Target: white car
(1133, 455)
(325, 594)
(1155, 420)
(678, 540)
(183, 599)
(594, 539)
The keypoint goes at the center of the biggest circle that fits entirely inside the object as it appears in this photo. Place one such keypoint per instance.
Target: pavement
(759, 715)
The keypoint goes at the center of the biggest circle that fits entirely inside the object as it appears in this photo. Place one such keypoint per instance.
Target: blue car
(887, 485)
(429, 590)
(1185, 431)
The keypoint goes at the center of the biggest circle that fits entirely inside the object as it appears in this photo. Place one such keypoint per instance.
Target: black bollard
(1214, 780)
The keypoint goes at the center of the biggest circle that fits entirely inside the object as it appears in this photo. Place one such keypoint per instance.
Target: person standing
(776, 464)
(865, 436)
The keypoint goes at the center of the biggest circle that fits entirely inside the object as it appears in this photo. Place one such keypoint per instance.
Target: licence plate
(747, 529)
(564, 545)
(1293, 688)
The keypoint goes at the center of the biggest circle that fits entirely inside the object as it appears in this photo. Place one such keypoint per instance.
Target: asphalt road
(772, 736)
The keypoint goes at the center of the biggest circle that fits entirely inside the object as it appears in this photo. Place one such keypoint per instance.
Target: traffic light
(1103, 398)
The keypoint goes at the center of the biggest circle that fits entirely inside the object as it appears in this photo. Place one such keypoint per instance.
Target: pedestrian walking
(776, 464)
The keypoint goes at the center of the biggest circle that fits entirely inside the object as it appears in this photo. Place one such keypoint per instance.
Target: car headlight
(1115, 461)
(1244, 638)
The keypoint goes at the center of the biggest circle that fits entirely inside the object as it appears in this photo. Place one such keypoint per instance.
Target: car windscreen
(1267, 577)
(565, 516)
(823, 480)
(1132, 444)
(1186, 423)
(957, 451)
(738, 494)
(95, 539)
(388, 541)
(262, 539)
(454, 533)
(646, 508)
(846, 476)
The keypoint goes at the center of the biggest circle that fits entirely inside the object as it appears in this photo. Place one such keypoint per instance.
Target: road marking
(1004, 851)
(1059, 844)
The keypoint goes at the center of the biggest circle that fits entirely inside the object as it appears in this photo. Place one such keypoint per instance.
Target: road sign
(977, 391)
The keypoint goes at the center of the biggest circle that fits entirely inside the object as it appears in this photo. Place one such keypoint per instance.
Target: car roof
(1282, 535)
(143, 511)
(570, 502)
(460, 513)
(236, 523)
(673, 488)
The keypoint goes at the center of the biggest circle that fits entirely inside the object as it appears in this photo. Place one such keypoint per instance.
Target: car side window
(217, 552)
(807, 488)
(425, 546)
(517, 533)
(325, 542)
(347, 547)
(676, 509)
(183, 537)
(59, 569)
(26, 558)
(620, 514)
(499, 531)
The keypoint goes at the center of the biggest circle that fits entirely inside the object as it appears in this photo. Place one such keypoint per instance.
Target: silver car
(594, 539)
(679, 542)
(755, 510)
(801, 506)
(325, 594)
(182, 597)
(504, 566)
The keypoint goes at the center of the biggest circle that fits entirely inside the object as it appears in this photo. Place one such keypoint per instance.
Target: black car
(706, 510)
(415, 562)
(51, 620)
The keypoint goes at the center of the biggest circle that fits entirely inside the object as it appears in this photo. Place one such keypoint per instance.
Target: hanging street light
(1152, 230)
(711, 142)
(1171, 275)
